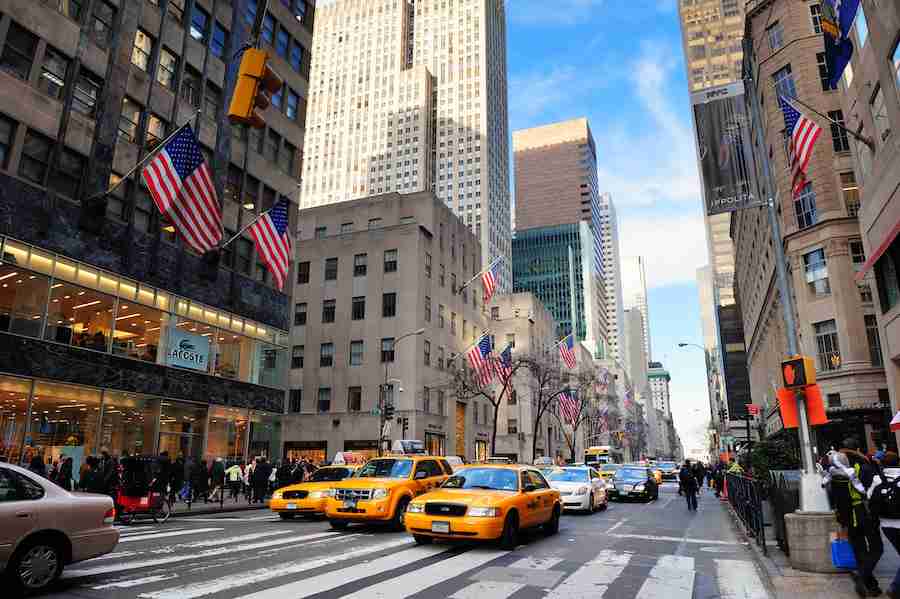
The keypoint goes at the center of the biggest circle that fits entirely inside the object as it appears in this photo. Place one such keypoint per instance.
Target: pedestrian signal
(798, 371)
(255, 86)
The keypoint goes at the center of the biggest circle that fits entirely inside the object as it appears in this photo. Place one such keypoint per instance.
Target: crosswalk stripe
(496, 589)
(174, 533)
(121, 567)
(672, 577)
(591, 580)
(739, 580)
(336, 578)
(133, 582)
(423, 578)
(223, 583)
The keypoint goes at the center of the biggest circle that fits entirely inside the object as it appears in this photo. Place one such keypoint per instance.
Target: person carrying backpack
(884, 502)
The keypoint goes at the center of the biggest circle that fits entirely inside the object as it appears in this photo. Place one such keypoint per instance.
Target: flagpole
(241, 232)
(145, 159)
(852, 133)
(480, 272)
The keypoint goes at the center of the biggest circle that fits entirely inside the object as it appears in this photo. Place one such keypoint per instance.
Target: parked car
(44, 527)
(579, 488)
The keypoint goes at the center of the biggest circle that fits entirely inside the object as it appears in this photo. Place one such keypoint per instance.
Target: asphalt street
(630, 551)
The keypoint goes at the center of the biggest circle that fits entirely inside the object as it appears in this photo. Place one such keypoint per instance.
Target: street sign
(753, 409)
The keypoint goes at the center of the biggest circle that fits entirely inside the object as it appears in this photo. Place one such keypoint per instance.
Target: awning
(879, 251)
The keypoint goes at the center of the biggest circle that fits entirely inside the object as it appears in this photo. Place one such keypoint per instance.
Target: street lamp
(384, 388)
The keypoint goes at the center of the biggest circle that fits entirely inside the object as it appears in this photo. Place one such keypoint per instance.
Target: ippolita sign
(187, 350)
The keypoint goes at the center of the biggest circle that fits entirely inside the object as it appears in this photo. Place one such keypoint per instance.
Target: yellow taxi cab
(309, 497)
(488, 502)
(382, 488)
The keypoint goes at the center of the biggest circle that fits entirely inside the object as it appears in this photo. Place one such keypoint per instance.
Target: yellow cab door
(531, 507)
(545, 495)
(427, 476)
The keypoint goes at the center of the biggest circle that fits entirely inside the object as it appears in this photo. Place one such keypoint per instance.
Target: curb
(206, 511)
(764, 564)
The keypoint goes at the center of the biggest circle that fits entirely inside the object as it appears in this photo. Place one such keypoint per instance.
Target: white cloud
(673, 246)
(558, 12)
(535, 93)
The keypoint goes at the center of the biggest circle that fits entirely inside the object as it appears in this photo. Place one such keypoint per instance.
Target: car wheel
(286, 516)
(509, 538)
(36, 565)
(339, 524)
(398, 522)
(422, 539)
(551, 527)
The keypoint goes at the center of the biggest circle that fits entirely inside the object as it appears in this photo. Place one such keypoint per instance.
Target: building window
(426, 355)
(874, 340)
(7, 134)
(823, 73)
(354, 399)
(326, 355)
(296, 396)
(53, 73)
(816, 270)
(511, 340)
(143, 47)
(389, 305)
(440, 359)
(440, 316)
(199, 24)
(805, 207)
(244, 249)
(297, 356)
(328, 310)
(879, 112)
(219, 40)
(282, 41)
(358, 311)
(784, 82)
(390, 260)
(18, 52)
(850, 192)
(360, 265)
(300, 314)
(886, 275)
(374, 223)
(387, 349)
(324, 402)
(176, 11)
(427, 265)
(512, 426)
(104, 14)
(321, 232)
(865, 293)
(427, 308)
(442, 275)
(212, 101)
(168, 66)
(67, 177)
(156, 130)
(838, 134)
(513, 398)
(827, 345)
(862, 26)
(296, 58)
(357, 349)
(129, 120)
(815, 13)
(87, 90)
(300, 10)
(191, 92)
(293, 102)
(834, 400)
(775, 33)
(302, 273)
(35, 157)
(857, 253)
(331, 269)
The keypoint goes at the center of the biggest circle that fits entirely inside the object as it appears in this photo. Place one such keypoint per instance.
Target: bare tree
(545, 383)
(581, 384)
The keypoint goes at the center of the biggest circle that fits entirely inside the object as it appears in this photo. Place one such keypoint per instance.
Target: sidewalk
(204, 509)
(789, 583)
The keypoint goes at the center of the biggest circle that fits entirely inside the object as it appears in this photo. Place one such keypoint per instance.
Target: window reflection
(138, 330)
(128, 424)
(227, 436)
(13, 417)
(23, 295)
(64, 421)
(79, 316)
(233, 353)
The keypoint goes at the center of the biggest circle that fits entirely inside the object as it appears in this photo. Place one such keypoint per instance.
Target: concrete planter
(809, 537)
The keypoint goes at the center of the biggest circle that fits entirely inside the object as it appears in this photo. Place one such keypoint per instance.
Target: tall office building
(634, 295)
(612, 271)
(411, 96)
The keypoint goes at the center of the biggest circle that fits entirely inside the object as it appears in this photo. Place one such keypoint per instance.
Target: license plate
(292, 506)
(440, 527)
(626, 488)
(350, 503)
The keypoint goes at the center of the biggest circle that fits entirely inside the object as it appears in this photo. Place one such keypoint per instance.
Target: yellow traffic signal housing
(256, 83)
(798, 371)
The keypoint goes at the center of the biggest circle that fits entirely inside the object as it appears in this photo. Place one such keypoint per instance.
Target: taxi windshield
(631, 474)
(386, 468)
(569, 476)
(495, 479)
(329, 474)
(611, 467)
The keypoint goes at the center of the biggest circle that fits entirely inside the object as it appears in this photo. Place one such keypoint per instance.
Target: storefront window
(227, 437)
(269, 364)
(23, 297)
(13, 417)
(138, 332)
(79, 316)
(434, 444)
(128, 424)
(315, 451)
(265, 435)
(368, 449)
(181, 428)
(233, 354)
(64, 422)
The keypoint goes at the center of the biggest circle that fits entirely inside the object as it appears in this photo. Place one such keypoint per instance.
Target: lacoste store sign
(187, 350)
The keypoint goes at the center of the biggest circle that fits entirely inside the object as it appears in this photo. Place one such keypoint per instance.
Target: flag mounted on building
(567, 351)
(489, 280)
(273, 241)
(568, 406)
(837, 20)
(503, 364)
(479, 356)
(803, 134)
(180, 183)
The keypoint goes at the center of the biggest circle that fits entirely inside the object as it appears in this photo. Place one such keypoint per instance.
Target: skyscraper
(612, 270)
(408, 97)
(634, 295)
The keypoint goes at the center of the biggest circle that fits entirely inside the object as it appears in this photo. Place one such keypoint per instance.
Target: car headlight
(276, 495)
(415, 508)
(582, 491)
(483, 512)
(639, 487)
(379, 493)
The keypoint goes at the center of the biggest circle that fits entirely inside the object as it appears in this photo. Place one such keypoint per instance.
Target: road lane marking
(121, 567)
(672, 577)
(617, 525)
(124, 584)
(591, 580)
(502, 589)
(739, 580)
(224, 583)
(174, 533)
(675, 539)
(418, 580)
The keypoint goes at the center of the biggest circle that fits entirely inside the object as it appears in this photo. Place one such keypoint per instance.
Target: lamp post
(384, 388)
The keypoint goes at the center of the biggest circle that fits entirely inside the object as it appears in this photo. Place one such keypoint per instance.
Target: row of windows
(357, 350)
(357, 311)
(360, 267)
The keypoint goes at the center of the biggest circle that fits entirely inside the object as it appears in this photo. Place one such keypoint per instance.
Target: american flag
(628, 395)
(273, 242)
(568, 406)
(489, 280)
(181, 185)
(567, 351)
(480, 360)
(803, 135)
(503, 364)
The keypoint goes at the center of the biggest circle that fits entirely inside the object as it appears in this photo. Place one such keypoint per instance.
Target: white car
(580, 488)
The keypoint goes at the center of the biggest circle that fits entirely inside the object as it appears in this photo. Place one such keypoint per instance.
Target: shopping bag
(842, 554)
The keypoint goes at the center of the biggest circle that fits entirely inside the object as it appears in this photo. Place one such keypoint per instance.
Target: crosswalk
(276, 562)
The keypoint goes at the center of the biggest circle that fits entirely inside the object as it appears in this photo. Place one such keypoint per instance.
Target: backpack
(885, 502)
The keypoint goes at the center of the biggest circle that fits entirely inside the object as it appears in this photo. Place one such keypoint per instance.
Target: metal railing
(784, 496)
(745, 497)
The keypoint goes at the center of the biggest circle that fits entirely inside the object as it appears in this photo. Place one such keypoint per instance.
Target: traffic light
(388, 409)
(256, 83)
(798, 371)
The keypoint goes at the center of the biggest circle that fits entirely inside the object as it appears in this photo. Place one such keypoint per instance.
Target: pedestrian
(37, 466)
(162, 473)
(260, 479)
(689, 485)
(884, 499)
(176, 479)
(200, 481)
(217, 476)
(285, 473)
(64, 477)
(234, 475)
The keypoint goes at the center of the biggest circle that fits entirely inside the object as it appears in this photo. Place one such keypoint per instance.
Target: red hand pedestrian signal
(788, 375)
(798, 371)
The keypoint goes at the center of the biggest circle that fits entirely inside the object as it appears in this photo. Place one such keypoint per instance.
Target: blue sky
(620, 64)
